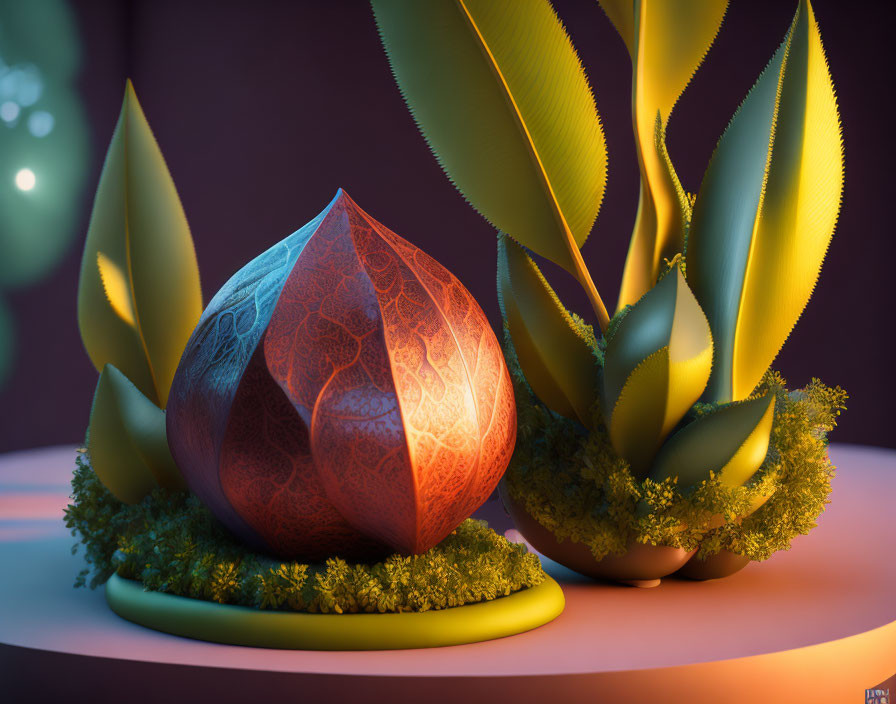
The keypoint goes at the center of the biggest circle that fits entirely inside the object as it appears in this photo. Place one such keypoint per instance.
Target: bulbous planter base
(722, 564)
(641, 565)
(240, 625)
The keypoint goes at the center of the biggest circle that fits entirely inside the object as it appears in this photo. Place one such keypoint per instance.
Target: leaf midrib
(521, 123)
(138, 328)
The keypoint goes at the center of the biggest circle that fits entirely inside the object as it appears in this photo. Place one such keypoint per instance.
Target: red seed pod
(343, 394)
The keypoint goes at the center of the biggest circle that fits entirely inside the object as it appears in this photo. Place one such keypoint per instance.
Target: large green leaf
(766, 211)
(499, 94)
(553, 351)
(667, 42)
(138, 296)
(731, 442)
(126, 440)
(656, 366)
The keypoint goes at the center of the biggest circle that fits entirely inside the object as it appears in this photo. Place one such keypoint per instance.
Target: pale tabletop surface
(838, 581)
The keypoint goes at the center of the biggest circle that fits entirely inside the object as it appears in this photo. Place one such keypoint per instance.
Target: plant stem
(584, 278)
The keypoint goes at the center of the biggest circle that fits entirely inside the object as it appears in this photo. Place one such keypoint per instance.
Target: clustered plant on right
(576, 485)
(661, 441)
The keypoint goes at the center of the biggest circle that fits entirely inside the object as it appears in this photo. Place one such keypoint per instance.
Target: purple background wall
(263, 109)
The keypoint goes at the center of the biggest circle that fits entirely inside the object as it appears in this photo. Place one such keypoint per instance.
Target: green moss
(798, 460)
(573, 483)
(171, 543)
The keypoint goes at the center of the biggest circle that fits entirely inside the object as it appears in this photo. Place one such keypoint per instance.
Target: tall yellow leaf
(766, 211)
(498, 92)
(138, 295)
(667, 42)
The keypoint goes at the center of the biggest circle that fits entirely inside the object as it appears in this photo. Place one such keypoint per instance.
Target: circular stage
(816, 623)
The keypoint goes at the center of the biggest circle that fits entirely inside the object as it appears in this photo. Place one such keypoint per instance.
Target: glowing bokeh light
(9, 83)
(43, 137)
(30, 85)
(9, 111)
(25, 179)
(40, 123)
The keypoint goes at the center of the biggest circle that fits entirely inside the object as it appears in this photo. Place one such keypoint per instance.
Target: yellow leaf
(667, 42)
(656, 366)
(766, 211)
(731, 441)
(639, 414)
(138, 294)
(498, 92)
(554, 354)
(126, 440)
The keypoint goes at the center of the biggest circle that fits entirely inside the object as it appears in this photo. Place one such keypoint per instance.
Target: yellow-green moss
(171, 543)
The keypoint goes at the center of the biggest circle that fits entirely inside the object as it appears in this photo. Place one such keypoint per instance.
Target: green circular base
(240, 625)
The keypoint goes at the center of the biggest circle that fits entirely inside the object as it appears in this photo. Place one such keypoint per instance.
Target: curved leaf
(126, 440)
(138, 295)
(663, 213)
(766, 211)
(553, 353)
(667, 42)
(732, 442)
(656, 366)
(499, 94)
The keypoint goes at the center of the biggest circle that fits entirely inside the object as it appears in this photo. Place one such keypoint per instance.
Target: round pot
(722, 564)
(641, 565)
